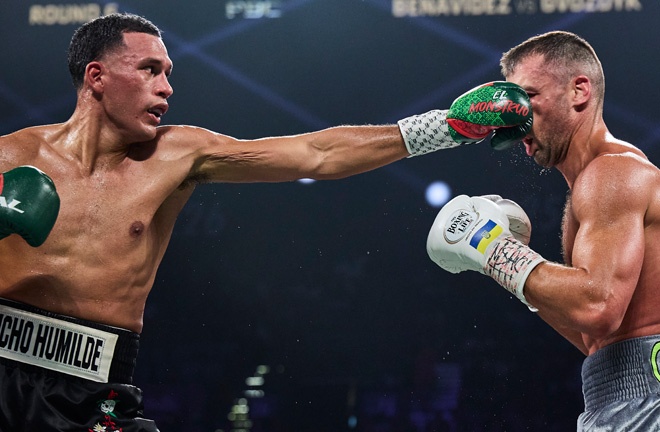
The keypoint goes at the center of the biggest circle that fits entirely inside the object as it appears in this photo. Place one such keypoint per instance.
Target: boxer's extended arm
(347, 150)
(29, 204)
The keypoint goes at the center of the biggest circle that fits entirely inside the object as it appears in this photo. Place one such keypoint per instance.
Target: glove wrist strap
(510, 262)
(425, 133)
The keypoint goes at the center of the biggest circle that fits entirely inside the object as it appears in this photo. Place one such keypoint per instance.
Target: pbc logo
(11, 205)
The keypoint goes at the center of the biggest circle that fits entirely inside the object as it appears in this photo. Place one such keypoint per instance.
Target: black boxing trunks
(621, 387)
(64, 374)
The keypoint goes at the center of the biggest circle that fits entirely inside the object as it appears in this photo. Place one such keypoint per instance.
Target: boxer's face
(548, 140)
(135, 86)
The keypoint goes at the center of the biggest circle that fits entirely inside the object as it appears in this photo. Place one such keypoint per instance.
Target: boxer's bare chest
(102, 253)
(112, 205)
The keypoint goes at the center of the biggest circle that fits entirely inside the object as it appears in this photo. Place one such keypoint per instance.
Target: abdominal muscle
(102, 279)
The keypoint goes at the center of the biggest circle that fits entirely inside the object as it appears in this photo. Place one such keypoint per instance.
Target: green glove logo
(501, 103)
(3, 201)
(11, 206)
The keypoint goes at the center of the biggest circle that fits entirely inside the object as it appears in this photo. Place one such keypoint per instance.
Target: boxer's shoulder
(23, 147)
(30, 140)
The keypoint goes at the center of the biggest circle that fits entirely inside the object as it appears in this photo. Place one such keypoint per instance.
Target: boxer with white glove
(473, 233)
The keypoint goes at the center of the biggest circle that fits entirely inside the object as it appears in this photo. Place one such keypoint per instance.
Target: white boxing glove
(472, 233)
(519, 223)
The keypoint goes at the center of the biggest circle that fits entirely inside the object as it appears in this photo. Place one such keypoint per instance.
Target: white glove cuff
(425, 133)
(510, 262)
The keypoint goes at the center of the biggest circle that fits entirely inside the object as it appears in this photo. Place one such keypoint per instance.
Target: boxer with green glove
(29, 204)
(501, 108)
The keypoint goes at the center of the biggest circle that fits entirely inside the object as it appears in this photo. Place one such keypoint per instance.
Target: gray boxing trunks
(63, 374)
(621, 387)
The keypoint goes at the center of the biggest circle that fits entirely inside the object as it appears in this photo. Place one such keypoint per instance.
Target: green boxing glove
(498, 106)
(29, 204)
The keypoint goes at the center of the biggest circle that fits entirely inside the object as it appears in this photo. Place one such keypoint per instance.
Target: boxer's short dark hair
(94, 39)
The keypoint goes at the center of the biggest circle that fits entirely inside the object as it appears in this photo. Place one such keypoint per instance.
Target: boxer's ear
(94, 72)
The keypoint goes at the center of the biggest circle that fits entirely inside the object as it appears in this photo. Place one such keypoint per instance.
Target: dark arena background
(312, 306)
